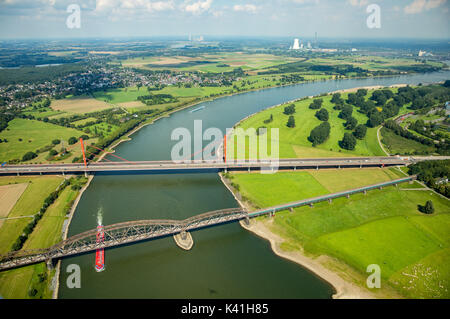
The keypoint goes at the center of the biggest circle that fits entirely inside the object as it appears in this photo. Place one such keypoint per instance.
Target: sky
(424, 19)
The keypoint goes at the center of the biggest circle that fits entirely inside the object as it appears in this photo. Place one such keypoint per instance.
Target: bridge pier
(365, 192)
(317, 168)
(184, 240)
(311, 205)
(247, 221)
(360, 166)
(348, 195)
(49, 263)
(381, 187)
(330, 200)
(295, 168)
(291, 209)
(85, 174)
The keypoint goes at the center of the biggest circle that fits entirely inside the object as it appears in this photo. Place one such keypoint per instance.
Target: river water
(226, 261)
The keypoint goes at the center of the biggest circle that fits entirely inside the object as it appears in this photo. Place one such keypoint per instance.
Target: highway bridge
(135, 231)
(167, 167)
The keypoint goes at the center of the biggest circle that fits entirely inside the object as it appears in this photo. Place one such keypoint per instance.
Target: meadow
(20, 282)
(293, 142)
(383, 227)
(80, 105)
(34, 135)
(396, 144)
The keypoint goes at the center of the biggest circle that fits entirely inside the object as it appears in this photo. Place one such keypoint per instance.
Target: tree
(322, 115)
(56, 142)
(72, 140)
(348, 142)
(351, 123)
(336, 99)
(360, 131)
(29, 156)
(290, 109)
(320, 134)
(361, 92)
(316, 104)
(291, 122)
(429, 207)
(375, 119)
(269, 120)
(346, 112)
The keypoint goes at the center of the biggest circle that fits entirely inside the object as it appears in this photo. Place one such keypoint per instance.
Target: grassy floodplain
(34, 135)
(383, 227)
(294, 141)
(33, 281)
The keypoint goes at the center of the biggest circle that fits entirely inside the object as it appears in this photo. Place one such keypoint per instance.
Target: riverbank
(66, 231)
(344, 289)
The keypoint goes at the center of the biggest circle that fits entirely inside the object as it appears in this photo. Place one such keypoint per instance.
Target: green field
(34, 135)
(17, 283)
(383, 227)
(28, 204)
(396, 144)
(293, 142)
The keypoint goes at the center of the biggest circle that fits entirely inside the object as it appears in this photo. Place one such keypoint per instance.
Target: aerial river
(226, 261)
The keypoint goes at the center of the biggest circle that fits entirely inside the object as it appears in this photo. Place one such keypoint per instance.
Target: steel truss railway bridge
(136, 231)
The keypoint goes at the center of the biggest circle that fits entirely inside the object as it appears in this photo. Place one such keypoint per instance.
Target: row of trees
(433, 174)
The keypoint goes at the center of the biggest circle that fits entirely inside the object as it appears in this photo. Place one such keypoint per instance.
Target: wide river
(226, 261)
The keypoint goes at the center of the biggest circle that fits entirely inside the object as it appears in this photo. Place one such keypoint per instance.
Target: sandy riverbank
(343, 288)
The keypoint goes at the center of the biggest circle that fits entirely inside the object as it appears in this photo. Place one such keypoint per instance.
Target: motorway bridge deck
(167, 167)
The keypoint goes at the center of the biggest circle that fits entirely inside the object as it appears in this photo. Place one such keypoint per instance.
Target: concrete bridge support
(184, 240)
(330, 200)
(49, 263)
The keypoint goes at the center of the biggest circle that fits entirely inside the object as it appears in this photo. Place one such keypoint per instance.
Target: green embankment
(383, 227)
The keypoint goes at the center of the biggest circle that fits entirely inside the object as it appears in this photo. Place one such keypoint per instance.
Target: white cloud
(417, 6)
(131, 5)
(358, 3)
(198, 7)
(245, 7)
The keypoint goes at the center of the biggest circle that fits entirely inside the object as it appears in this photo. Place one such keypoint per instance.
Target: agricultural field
(28, 204)
(214, 63)
(80, 105)
(34, 281)
(9, 195)
(383, 227)
(294, 142)
(34, 135)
